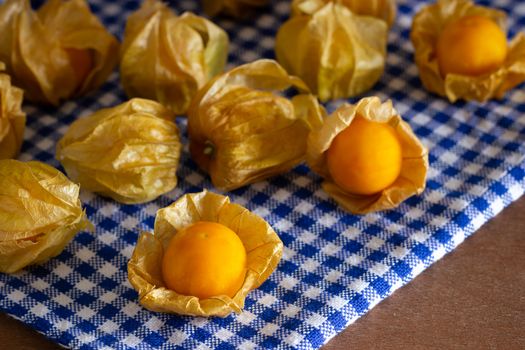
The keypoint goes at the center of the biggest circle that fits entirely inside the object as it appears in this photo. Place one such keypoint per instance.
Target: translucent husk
(235, 8)
(34, 45)
(243, 130)
(382, 9)
(167, 58)
(12, 118)
(40, 212)
(414, 166)
(263, 248)
(426, 28)
(129, 152)
(337, 53)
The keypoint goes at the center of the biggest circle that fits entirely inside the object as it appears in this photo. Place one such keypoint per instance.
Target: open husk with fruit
(492, 81)
(356, 179)
(145, 269)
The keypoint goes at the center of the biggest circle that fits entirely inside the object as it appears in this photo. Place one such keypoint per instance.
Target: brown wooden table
(474, 298)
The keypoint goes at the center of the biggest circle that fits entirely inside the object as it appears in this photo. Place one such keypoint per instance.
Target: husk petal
(263, 247)
(237, 124)
(34, 45)
(414, 168)
(167, 58)
(129, 152)
(40, 212)
(336, 52)
(426, 28)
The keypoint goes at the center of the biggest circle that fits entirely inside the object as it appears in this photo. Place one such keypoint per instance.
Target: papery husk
(167, 58)
(382, 9)
(337, 53)
(412, 178)
(235, 8)
(242, 131)
(12, 118)
(263, 247)
(129, 152)
(427, 27)
(40, 212)
(34, 42)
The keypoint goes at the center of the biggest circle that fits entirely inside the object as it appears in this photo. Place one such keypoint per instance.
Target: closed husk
(167, 58)
(243, 129)
(235, 8)
(40, 212)
(129, 152)
(382, 9)
(12, 118)
(337, 53)
(35, 46)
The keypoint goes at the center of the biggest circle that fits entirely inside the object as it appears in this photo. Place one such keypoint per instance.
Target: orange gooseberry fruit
(205, 259)
(471, 45)
(365, 158)
(81, 62)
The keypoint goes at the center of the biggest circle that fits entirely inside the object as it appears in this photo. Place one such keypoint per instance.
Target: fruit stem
(209, 148)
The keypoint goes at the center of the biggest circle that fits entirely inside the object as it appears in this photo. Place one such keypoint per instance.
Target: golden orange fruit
(471, 45)
(365, 158)
(205, 259)
(81, 62)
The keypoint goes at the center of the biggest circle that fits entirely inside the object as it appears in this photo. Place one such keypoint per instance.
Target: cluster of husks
(250, 123)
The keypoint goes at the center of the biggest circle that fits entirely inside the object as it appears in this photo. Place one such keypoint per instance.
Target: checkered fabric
(335, 266)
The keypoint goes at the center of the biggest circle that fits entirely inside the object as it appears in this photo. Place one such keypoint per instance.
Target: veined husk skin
(382, 9)
(34, 44)
(337, 53)
(426, 28)
(40, 212)
(167, 58)
(242, 129)
(263, 247)
(235, 8)
(414, 166)
(129, 152)
(12, 118)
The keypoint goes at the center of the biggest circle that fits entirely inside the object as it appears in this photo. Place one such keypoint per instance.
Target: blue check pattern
(335, 266)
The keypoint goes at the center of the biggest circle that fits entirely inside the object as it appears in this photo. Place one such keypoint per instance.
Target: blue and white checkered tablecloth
(335, 267)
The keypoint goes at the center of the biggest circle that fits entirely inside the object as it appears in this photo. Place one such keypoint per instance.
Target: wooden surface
(474, 298)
